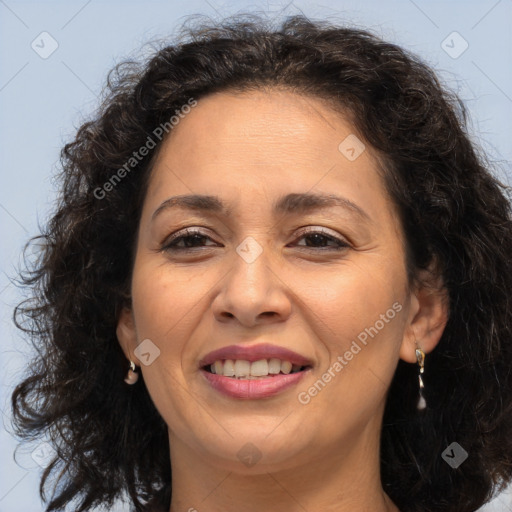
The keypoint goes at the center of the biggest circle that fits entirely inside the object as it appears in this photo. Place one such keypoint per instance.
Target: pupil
(190, 240)
(316, 238)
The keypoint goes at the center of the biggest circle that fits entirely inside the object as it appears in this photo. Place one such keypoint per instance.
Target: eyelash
(189, 233)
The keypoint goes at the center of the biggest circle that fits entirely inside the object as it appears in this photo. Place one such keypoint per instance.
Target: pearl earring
(132, 376)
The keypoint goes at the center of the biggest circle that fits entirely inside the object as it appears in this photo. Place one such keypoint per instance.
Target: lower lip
(254, 388)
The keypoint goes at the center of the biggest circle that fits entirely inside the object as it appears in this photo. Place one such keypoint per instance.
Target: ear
(127, 334)
(428, 314)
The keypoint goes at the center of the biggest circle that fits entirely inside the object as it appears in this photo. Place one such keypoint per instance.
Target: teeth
(228, 369)
(218, 367)
(243, 369)
(259, 368)
(274, 366)
(286, 367)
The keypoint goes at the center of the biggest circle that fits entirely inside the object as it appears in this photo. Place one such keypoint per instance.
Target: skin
(249, 149)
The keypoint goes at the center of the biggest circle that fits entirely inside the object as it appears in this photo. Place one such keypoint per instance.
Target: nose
(253, 292)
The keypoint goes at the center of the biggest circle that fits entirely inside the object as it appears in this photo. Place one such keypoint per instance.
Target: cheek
(359, 322)
(159, 288)
(348, 301)
(165, 303)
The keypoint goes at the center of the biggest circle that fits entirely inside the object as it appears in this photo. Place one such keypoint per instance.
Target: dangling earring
(132, 376)
(420, 356)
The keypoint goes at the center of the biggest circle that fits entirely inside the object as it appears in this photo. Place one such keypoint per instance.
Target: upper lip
(254, 353)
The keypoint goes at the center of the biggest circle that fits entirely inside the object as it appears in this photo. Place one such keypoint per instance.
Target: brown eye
(318, 239)
(187, 240)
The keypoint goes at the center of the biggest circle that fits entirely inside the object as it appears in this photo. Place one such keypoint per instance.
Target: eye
(318, 237)
(189, 239)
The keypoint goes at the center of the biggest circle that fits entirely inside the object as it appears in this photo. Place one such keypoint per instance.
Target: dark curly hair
(110, 440)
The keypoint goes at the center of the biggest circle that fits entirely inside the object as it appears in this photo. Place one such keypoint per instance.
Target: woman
(277, 279)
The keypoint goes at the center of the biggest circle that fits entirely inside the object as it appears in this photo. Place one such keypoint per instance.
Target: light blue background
(42, 101)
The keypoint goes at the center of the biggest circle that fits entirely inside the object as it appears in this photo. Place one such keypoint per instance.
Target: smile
(253, 372)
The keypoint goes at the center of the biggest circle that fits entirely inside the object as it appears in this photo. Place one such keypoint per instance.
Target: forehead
(260, 121)
(274, 138)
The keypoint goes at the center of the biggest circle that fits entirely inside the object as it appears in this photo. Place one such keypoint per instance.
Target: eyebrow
(291, 203)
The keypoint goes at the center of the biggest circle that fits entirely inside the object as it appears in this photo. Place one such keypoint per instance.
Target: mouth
(256, 372)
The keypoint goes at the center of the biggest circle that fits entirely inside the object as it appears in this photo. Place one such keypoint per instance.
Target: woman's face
(271, 270)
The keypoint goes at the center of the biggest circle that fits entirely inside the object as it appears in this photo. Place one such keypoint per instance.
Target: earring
(132, 376)
(420, 356)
